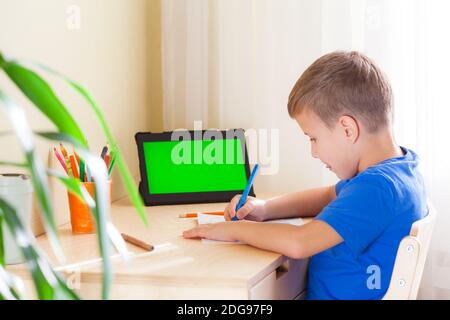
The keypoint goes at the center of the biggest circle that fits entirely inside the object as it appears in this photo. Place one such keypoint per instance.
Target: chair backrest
(410, 259)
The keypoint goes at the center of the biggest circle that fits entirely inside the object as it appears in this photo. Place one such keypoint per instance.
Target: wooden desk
(178, 268)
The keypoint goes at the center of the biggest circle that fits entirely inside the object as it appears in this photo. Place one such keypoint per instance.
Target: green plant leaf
(114, 235)
(48, 283)
(42, 96)
(101, 215)
(61, 137)
(123, 169)
(2, 247)
(100, 211)
(20, 125)
(75, 186)
(9, 285)
(13, 164)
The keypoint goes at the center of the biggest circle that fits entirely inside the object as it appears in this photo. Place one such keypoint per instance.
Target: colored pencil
(246, 191)
(74, 167)
(60, 159)
(82, 170)
(66, 158)
(88, 178)
(104, 151)
(77, 157)
(137, 242)
(113, 160)
(107, 159)
(195, 215)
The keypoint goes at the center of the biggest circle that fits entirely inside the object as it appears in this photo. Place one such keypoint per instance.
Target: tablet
(192, 166)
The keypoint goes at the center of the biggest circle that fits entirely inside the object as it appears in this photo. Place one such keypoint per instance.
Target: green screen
(194, 166)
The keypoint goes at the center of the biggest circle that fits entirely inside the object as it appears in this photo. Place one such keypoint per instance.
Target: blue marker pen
(246, 191)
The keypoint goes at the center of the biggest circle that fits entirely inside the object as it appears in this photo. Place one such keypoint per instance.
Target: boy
(343, 103)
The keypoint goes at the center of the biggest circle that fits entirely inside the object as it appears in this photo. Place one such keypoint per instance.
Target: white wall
(115, 54)
(232, 64)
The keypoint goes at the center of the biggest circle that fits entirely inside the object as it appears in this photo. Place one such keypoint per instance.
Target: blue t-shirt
(372, 212)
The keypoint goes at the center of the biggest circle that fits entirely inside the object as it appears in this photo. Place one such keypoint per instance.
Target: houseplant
(48, 283)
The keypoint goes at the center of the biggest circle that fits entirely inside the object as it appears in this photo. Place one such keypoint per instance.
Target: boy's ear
(350, 127)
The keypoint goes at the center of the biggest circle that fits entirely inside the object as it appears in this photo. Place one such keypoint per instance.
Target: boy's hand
(253, 209)
(215, 231)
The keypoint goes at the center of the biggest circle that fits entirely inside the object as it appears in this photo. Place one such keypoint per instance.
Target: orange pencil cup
(81, 218)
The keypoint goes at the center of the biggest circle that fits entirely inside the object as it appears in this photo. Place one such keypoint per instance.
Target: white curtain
(232, 64)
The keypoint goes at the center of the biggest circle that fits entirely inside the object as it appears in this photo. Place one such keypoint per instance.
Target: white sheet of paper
(209, 218)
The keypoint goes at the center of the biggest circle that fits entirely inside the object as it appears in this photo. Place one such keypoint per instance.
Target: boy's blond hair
(344, 83)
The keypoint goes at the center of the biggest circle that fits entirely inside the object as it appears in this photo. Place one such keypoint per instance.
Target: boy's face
(334, 147)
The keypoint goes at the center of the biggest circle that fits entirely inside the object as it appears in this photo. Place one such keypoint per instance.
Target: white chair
(410, 259)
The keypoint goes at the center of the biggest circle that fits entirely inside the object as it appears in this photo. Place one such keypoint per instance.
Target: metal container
(17, 190)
